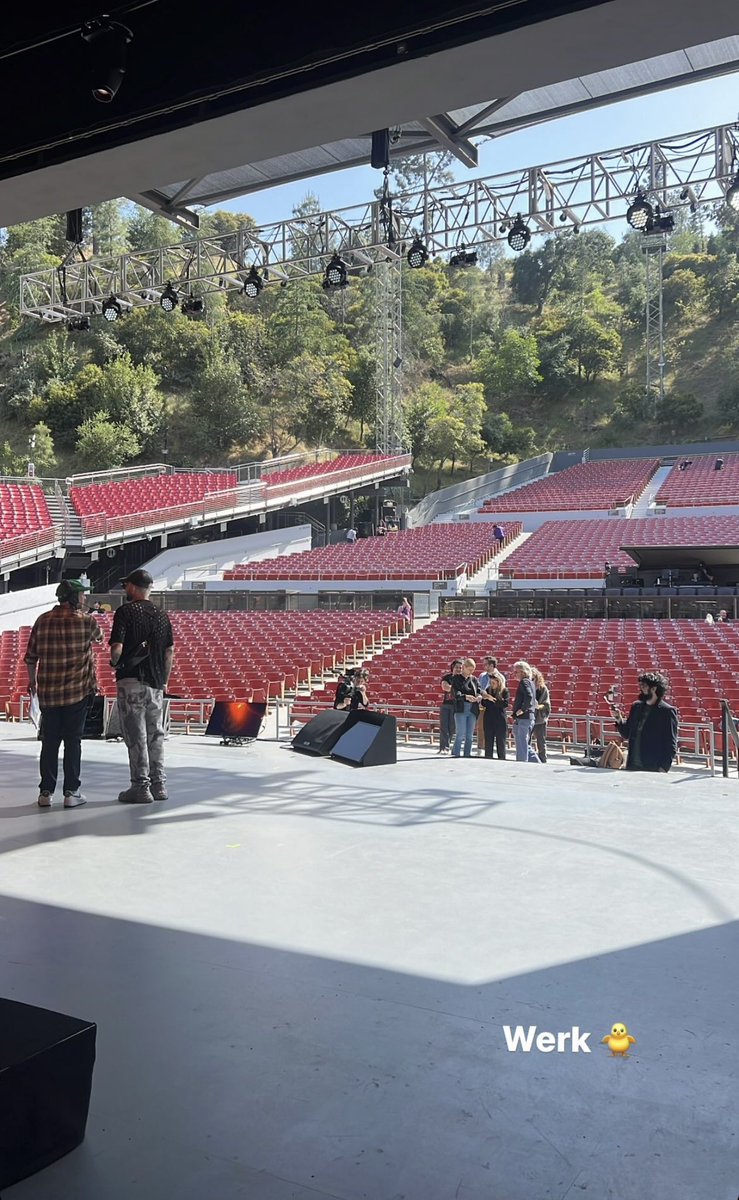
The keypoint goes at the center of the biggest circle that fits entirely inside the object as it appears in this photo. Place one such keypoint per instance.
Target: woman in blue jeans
(524, 712)
(466, 693)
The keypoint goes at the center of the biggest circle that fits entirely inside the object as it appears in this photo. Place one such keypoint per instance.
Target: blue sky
(679, 110)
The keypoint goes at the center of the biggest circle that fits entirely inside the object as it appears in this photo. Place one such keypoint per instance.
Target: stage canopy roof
(662, 557)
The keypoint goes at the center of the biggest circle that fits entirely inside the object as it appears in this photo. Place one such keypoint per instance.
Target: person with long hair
(524, 712)
(494, 704)
(446, 709)
(543, 711)
(466, 692)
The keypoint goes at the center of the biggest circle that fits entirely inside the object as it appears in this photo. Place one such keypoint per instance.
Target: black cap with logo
(139, 578)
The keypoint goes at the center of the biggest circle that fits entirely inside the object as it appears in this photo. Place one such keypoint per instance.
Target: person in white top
(351, 535)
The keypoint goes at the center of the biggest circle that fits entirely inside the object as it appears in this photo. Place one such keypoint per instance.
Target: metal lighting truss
(390, 427)
(654, 252)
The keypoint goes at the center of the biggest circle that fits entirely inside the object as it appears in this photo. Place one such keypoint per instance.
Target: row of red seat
(581, 659)
(134, 496)
(431, 552)
(597, 485)
(342, 462)
(700, 482)
(23, 509)
(579, 549)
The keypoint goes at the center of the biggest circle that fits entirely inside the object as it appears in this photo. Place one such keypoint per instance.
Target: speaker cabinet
(319, 736)
(46, 1064)
(369, 739)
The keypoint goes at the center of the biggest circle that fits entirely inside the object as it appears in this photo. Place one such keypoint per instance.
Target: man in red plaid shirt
(61, 672)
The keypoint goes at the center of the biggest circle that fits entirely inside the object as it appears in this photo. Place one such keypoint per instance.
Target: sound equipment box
(46, 1064)
(369, 739)
(320, 734)
(94, 719)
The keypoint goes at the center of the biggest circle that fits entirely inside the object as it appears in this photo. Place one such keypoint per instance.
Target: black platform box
(46, 1063)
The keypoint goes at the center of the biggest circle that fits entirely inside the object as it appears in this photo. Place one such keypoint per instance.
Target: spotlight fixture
(169, 299)
(519, 235)
(661, 222)
(640, 213)
(562, 217)
(335, 274)
(732, 195)
(107, 41)
(79, 324)
(112, 309)
(253, 284)
(463, 258)
(417, 255)
(193, 306)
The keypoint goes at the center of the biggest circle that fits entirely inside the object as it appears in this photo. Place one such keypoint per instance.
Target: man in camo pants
(142, 651)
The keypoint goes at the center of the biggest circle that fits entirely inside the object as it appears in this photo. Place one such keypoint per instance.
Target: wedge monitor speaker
(319, 736)
(369, 739)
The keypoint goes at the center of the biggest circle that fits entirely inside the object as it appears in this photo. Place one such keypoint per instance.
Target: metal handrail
(728, 730)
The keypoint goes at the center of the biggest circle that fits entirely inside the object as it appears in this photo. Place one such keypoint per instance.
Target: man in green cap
(61, 672)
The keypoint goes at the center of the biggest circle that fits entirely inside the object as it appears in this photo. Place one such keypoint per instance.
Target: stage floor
(301, 973)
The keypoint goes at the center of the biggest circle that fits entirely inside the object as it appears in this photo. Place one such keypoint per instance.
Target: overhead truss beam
(584, 191)
(446, 133)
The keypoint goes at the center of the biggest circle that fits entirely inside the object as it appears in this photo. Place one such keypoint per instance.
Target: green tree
(316, 392)
(108, 228)
(595, 347)
(128, 392)
(225, 415)
(41, 448)
(468, 404)
(506, 439)
(445, 439)
(509, 367)
(103, 444)
(421, 408)
(147, 231)
(363, 380)
(679, 410)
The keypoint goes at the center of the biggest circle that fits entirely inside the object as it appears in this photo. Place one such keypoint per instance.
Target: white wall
(173, 569)
(22, 608)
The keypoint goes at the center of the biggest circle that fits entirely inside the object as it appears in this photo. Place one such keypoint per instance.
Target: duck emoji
(619, 1040)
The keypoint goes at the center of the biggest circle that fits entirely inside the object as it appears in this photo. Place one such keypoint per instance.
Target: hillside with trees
(519, 354)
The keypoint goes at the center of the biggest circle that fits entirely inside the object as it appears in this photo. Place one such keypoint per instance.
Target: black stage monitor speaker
(94, 719)
(46, 1062)
(368, 740)
(320, 734)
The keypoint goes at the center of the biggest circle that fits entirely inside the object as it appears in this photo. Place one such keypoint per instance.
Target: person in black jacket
(466, 692)
(494, 704)
(524, 712)
(651, 727)
(446, 711)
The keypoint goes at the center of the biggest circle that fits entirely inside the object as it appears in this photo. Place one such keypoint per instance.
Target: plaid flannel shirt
(61, 644)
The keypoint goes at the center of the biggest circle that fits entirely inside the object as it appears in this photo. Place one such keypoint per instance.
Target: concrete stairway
(641, 504)
(477, 583)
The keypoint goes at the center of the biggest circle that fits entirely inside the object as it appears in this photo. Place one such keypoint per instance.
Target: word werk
(525, 1039)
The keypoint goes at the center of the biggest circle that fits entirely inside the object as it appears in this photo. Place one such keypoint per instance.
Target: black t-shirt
(448, 696)
(141, 621)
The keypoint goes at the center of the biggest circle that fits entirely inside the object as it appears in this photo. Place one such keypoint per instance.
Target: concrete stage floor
(301, 973)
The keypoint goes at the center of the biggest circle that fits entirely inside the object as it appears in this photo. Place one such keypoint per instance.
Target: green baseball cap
(69, 588)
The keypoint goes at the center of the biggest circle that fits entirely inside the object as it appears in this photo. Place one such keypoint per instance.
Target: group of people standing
(479, 704)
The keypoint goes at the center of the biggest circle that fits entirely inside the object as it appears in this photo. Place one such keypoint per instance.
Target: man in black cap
(142, 650)
(61, 673)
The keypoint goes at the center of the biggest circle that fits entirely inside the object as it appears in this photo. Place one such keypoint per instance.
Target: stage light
(519, 236)
(253, 284)
(169, 299)
(193, 306)
(107, 41)
(640, 213)
(562, 217)
(417, 255)
(112, 309)
(79, 324)
(335, 274)
(732, 195)
(463, 258)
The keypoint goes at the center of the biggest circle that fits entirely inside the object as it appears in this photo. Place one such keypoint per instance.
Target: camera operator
(351, 690)
(651, 726)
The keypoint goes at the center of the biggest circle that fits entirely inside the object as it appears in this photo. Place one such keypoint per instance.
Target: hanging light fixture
(169, 299)
(335, 275)
(253, 284)
(519, 235)
(107, 41)
(640, 213)
(112, 309)
(417, 255)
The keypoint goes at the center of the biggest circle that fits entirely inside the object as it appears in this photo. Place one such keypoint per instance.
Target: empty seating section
(23, 510)
(581, 659)
(237, 656)
(431, 552)
(611, 483)
(343, 462)
(578, 549)
(700, 483)
(135, 497)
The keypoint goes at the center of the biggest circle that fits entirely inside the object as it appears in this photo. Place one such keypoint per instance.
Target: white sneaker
(74, 799)
(44, 799)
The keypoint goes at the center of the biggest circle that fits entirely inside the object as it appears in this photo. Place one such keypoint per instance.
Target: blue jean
(522, 728)
(65, 723)
(465, 725)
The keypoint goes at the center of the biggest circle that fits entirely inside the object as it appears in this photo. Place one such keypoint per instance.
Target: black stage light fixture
(169, 299)
(732, 195)
(79, 324)
(640, 213)
(335, 275)
(661, 222)
(253, 284)
(463, 258)
(380, 152)
(112, 309)
(417, 255)
(519, 235)
(107, 41)
(193, 306)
